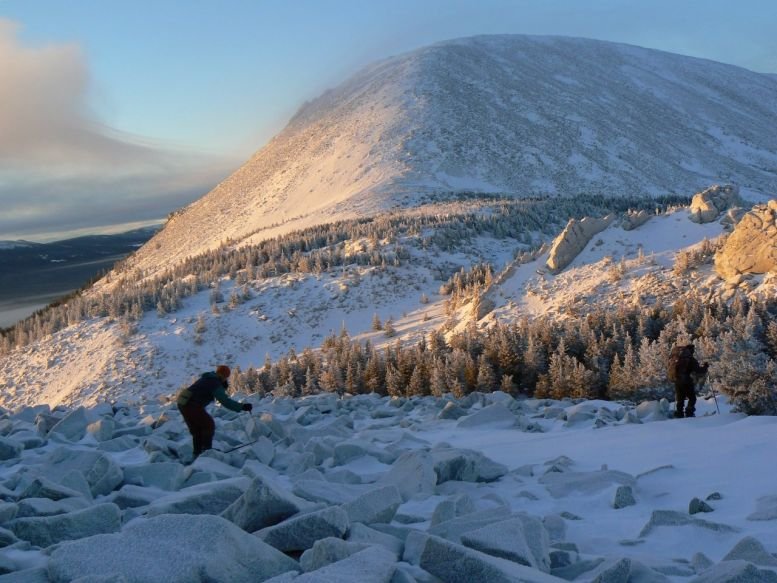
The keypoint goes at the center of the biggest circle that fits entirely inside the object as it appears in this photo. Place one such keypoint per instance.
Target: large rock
(100, 471)
(72, 426)
(263, 504)
(573, 240)
(561, 484)
(522, 539)
(162, 475)
(10, 448)
(495, 416)
(42, 488)
(707, 205)
(207, 498)
(412, 473)
(48, 530)
(454, 563)
(329, 492)
(329, 550)
(47, 507)
(736, 572)
(455, 528)
(173, 549)
(132, 496)
(364, 534)
(752, 247)
(378, 505)
(301, 532)
(674, 518)
(750, 549)
(371, 565)
(465, 465)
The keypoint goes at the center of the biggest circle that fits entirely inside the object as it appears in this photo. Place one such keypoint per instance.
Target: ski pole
(242, 445)
(714, 396)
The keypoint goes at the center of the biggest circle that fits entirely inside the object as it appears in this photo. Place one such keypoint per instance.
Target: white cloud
(61, 168)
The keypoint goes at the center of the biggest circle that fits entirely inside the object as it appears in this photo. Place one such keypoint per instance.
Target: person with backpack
(682, 365)
(193, 400)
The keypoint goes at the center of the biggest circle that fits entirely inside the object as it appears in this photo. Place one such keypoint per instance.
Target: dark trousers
(684, 390)
(201, 426)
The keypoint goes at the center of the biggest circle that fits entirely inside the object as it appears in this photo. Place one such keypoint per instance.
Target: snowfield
(374, 489)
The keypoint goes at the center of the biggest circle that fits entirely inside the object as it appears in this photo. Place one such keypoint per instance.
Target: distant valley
(32, 275)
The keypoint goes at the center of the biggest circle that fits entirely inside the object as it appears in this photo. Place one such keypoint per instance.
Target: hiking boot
(678, 415)
(690, 414)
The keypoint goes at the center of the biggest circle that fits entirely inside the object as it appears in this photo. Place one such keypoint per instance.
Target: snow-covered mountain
(519, 115)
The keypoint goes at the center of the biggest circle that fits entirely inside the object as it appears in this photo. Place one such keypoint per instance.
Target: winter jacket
(204, 390)
(691, 365)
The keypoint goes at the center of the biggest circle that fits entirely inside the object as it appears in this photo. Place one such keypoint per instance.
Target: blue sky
(173, 94)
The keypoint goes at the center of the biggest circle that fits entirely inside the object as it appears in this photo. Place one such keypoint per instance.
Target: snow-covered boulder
(522, 539)
(10, 448)
(41, 487)
(752, 550)
(624, 497)
(364, 534)
(561, 484)
(496, 416)
(371, 565)
(162, 475)
(451, 411)
(674, 518)
(377, 505)
(263, 504)
(456, 563)
(72, 426)
(456, 527)
(412, 473)
(207, 498)
(47, 507)
(171, 548)
(48, 530)
(465, 465)
(102, 429)
(301, 532)
(752, 246)
(736, 572)
(101, 472)
(329, 492)
(327, 551)
(132, 496)
(707, 205)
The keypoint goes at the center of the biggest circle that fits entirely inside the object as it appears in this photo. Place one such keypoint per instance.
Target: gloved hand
(248, 407)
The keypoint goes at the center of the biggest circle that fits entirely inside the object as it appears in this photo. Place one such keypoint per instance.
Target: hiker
(682, 365)
(192, 402)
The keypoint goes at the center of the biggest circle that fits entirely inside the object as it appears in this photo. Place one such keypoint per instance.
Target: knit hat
(223, 371)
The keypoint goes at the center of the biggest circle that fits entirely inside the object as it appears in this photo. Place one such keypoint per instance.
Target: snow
(668, 463)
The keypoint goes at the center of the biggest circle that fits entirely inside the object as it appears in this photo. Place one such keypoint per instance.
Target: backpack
(679, 363)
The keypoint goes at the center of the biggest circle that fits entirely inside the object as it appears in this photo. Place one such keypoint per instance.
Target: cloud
(61, 168)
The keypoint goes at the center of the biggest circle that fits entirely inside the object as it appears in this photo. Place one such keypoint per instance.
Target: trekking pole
(714, 396)
(242, 445)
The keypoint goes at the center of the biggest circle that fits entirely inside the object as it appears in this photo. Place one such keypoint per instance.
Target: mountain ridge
(516, 115)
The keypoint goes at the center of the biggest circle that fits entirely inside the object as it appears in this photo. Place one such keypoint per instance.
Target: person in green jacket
(193, 400)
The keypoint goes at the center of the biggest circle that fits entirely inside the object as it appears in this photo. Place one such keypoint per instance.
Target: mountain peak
(509, 114)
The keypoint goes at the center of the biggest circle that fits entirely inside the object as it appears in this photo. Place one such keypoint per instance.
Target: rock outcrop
(752, 246)
(573, 240)
(707, 205)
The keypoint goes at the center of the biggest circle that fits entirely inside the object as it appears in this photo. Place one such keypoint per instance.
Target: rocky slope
(513, 114)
